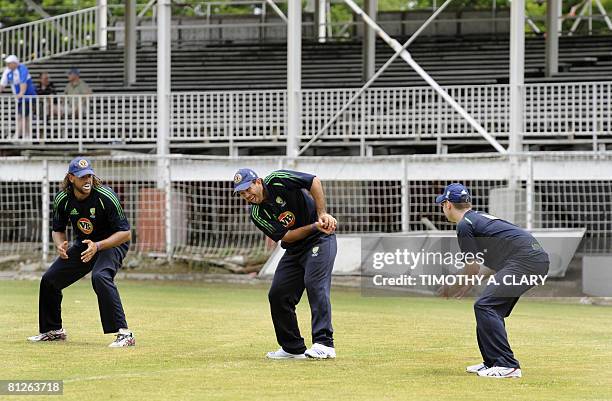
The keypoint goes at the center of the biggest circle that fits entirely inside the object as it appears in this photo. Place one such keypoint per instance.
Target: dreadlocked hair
(67, 185)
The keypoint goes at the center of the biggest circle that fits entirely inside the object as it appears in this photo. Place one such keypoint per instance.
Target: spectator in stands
(78, 87)
(46, 87)
(18, 77)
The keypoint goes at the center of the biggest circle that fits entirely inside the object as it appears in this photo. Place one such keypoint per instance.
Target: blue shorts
(23, 108)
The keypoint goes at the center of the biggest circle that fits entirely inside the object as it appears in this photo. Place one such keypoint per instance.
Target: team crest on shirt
(315, 251)
(237, 178)
(85, 225)
(287, 219)
(83, 163)
(281, 202)
(92, 213)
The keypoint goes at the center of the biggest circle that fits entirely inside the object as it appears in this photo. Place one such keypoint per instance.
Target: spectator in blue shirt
(18, 77)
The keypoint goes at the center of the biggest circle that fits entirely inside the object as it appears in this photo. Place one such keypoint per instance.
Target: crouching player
(514, 255)
(102, 241)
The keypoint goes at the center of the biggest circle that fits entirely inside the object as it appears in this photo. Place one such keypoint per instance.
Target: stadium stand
(451, 61)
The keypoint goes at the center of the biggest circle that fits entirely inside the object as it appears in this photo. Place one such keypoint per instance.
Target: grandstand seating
(263, 66)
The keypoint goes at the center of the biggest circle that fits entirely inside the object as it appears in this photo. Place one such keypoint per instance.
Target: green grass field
(207, 342)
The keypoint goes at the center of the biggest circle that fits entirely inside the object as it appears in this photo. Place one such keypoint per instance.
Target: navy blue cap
(80, 167)
(74, 71)
(455, 193)
(243, 179)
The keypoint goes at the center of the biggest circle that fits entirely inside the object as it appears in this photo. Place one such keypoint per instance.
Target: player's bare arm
(305, 231)
(327, 221)
(22, 90)
(61, 243)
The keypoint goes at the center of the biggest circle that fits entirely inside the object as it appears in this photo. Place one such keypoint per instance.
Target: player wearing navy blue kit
(289, 206)
(514, 255)
(102, 241)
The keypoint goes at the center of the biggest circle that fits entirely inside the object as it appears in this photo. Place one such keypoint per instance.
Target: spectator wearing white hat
(18, 77)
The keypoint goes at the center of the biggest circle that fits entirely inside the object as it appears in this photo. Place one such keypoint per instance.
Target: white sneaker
(476, 368)
(124, 338)
(320, 351)
(500, 372)
(53, 335)
(281, 354)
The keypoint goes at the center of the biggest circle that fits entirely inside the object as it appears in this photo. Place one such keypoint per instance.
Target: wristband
(313, 226)
(97, 246)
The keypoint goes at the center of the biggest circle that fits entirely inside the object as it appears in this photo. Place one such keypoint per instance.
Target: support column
(102, 24)
(320, 20)
(129, 50)
(294, 76)
(164, 16)
(552, 36)
(517, 79)
(517, 72)
(369, 41)
(163, 76)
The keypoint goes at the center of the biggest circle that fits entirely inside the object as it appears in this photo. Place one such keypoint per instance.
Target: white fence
(559, 112)
(52, 36)
(183, 206)
(78, 119)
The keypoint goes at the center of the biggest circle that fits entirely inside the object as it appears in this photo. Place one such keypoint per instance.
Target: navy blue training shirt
(96, 217)
(287, 206)
(502, 240)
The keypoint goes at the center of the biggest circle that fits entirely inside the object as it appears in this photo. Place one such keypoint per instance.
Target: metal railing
(551, 111)
(50, 36)
(410, 113)
(572, 109)
(79, 119)
(244, 115)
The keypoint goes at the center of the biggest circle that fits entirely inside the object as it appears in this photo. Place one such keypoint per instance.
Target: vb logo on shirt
(85, 225)
(287, 219)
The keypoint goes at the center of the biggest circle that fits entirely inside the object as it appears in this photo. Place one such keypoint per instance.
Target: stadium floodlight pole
(375, 76)
(401, 51)
(277, 10)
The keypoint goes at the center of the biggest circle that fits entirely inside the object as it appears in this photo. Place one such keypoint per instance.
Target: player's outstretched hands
(328, 223)
(62, 250)
(91, 250)
(453, 291)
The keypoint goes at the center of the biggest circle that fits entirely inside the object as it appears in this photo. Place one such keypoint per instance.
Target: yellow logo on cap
(83, 163)
(237, 178)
